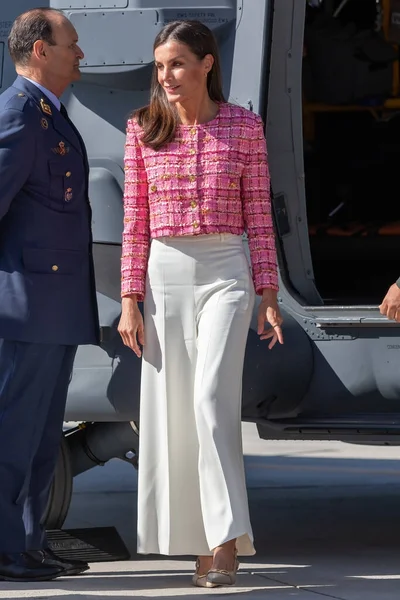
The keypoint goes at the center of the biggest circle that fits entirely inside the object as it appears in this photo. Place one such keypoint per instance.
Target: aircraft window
(351, 129)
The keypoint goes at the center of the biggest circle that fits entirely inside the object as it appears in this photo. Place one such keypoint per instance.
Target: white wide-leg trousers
(199, 300)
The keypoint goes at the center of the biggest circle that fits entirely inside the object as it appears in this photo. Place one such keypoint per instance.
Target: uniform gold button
(196, 224)
(54, 268)
(68, 174)
(192, 151)
(21, 95)
(192, 178)
(193, 204)
(193, 131)
(153, 188)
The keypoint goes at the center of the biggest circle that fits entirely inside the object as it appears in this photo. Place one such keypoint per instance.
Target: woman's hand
(131, 326)
(269, 311)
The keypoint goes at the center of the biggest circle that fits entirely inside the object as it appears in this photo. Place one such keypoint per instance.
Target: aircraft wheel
(61, 490)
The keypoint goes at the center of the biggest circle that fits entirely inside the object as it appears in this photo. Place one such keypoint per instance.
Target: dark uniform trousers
(47, 299)
(34, 382)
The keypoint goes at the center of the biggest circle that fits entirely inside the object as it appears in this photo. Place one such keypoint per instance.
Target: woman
(196, 178)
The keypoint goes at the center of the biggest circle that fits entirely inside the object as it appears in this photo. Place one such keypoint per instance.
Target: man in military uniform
(47, 289)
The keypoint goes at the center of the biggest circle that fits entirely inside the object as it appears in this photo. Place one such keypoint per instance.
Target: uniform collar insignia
(45, 107)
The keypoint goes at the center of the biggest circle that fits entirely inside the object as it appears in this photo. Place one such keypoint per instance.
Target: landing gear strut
(61, 491)
(87, 446)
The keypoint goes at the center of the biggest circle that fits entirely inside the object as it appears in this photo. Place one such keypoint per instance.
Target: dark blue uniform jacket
(47, 287)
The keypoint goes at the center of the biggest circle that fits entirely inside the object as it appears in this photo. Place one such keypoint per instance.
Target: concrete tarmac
(326, 518)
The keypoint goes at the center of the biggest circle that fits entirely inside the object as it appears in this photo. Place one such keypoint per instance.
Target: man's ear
(39, 50)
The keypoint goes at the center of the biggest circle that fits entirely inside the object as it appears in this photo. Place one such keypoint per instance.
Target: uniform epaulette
(17, 102)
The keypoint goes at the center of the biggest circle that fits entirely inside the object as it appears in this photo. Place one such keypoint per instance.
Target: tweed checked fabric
(212, 178)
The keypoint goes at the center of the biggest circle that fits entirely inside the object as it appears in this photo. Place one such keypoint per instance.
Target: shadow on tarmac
(327, 527)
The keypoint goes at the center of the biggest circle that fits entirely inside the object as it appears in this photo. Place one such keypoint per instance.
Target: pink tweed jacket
(212, 178)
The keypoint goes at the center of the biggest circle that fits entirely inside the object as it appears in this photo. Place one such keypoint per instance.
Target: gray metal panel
(5, 25)
(67, 4)
(247, 70)
(6, 67)
(210, 15)
(126, 36)
(285, 141)
(1, 62)
(202, 8)
(106, 184)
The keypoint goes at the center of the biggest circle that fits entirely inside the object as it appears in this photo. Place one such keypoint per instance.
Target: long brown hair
(160, 118)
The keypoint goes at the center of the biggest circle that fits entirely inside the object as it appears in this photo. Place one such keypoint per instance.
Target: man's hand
(391, 304)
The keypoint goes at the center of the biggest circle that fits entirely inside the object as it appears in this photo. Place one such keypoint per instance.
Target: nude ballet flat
(217, 577)
(201, 580)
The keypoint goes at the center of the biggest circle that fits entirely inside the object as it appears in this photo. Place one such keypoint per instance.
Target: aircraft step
(95, 544)
(363, 423)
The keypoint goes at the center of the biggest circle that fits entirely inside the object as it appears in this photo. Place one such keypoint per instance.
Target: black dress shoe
(68, 566)
(23, 567)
